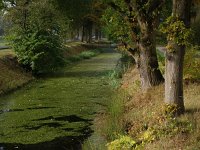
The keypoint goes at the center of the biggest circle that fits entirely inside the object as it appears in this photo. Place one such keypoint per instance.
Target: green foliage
(40, 51)
(122, 66)
(122, 143)
(171, 127)
(161, 61)
(192, 64)
(116, 27)
(35, 35)
(196, 30)
(1, 5)
(163, 124)
(176, 31)
(81, 13)
(166, 126)
(161, 38)
(113, 122)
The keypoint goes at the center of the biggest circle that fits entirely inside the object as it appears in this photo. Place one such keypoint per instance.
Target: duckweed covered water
(56, 112)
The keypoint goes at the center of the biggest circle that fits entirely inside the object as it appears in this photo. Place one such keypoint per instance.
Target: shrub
(35, 29)
(38, 51)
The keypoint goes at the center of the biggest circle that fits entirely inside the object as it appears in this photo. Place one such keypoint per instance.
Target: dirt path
(57, 112)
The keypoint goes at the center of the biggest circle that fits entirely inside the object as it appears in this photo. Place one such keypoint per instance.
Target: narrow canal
(57, 112)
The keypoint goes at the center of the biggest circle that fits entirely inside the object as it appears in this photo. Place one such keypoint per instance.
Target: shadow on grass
(59, 143)
(36, 108)
(70, 119)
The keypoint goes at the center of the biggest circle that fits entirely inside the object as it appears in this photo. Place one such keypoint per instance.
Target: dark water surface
(57, 112)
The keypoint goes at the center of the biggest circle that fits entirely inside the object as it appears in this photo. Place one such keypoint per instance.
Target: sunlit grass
(5, 52)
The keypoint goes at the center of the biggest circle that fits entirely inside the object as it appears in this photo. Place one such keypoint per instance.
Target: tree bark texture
(146, 57)
(148, 63)
(143, 27)
(174, 61)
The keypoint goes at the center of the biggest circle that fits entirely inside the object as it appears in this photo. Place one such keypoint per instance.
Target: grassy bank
(136, 120)
(12, 76)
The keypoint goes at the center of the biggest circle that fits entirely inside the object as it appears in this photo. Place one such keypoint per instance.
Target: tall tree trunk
(143, 33)
(96, 34)
(25, 15)
(86, 34)
(90, 32)
(77, 37)
(148, 63)
(83, 33)
(99, 35)
(174, 61)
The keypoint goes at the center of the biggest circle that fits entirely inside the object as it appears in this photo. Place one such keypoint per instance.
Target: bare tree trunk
(90, 32)
(83, 34)
(174, 61)
(174, 78)
(96, 34)
(99, 35)
(25, 15)
(148, 63)
(77, 37)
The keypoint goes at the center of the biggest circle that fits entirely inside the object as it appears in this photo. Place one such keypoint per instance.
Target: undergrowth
(142, 120)
(123, 65)
(111, 121)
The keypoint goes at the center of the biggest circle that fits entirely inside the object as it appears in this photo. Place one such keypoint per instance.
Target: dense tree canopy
(35, 31)
(141, 18)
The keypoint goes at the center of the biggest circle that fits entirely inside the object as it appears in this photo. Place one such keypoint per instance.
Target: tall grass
(113, 124)
(115, 112)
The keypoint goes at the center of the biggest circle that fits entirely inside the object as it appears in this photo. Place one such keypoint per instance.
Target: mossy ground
(59, 105)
